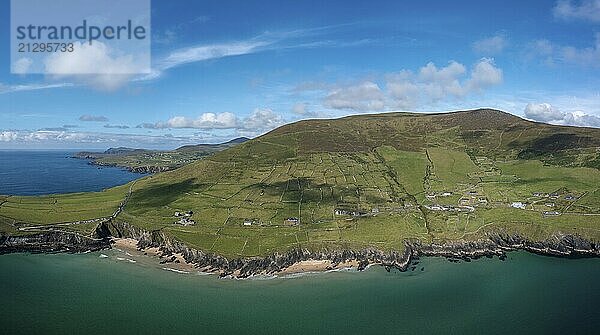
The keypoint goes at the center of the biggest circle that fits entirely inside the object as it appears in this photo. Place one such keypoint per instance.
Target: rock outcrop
(136, 169)
(496, 244)
(52, 241)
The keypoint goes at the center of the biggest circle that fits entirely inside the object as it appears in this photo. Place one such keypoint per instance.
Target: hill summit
(365, 182)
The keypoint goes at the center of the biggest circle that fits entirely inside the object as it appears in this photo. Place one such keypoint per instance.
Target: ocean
(93, 294)
(87, 294)
(47, 172)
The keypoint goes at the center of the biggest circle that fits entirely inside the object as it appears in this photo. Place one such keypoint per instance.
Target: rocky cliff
(136, 169)
(496, 244)
(52, 241)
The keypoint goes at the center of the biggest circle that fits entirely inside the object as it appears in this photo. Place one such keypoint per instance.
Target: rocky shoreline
(150, 169)
(496, 244)
(51, 242)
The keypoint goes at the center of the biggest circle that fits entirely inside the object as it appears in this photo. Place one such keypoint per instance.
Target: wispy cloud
(116, 126)
(30, 87)
(206, 52)
(550, 53)
(119, 70)
(93, 118)
(65, 127)
(584, 10)
(263, 42)
(169, 35)
(304, 110)
(491, 45)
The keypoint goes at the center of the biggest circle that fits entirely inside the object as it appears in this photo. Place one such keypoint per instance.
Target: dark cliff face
(136, 169)
(51, 242)
(495, 245)
(245, 267)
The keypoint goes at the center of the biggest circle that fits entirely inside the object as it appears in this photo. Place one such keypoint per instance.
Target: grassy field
(21, 211)
(368, 181)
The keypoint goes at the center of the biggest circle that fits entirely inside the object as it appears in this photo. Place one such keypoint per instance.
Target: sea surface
(47, 172)
(111, 292)
(88, 294)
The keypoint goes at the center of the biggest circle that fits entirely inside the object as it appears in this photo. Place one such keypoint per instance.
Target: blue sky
(230, 68)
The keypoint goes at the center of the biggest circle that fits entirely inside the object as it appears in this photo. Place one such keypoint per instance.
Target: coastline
(176, 261)
(150, 169)
(176, 256)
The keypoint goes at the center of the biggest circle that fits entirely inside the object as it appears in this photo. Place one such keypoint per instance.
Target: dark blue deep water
(47, 172)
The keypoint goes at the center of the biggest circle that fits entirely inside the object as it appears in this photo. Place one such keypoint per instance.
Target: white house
(518, 205)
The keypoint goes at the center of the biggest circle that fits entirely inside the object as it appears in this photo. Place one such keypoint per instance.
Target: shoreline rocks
(150, 169)
(51, 242)
(497, 244)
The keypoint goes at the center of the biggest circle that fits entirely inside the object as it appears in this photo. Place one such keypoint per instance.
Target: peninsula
(152, 161)
(359, 190)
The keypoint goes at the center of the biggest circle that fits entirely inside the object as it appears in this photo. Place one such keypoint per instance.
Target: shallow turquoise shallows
(87, 294)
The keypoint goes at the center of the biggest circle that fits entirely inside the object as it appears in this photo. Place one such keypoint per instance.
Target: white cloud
(8, 136)
(485, 74)
(366, 96)
(491, 45)
(96, 65)
(433, 84)
(65, 139)
(262, 119)
(545, 112)
(582, 119)
(584, 10)
(406, 89)
(439, 83)
(224, 120)
(21, 65)
(259, 120)
(403, 89)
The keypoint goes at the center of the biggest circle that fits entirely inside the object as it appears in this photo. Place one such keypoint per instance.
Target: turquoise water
(86, 294)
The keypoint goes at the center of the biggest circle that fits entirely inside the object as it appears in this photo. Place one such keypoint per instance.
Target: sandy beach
(177, 263)
(317, 266)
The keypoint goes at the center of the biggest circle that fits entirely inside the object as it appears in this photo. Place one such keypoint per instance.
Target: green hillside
(369, 180)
